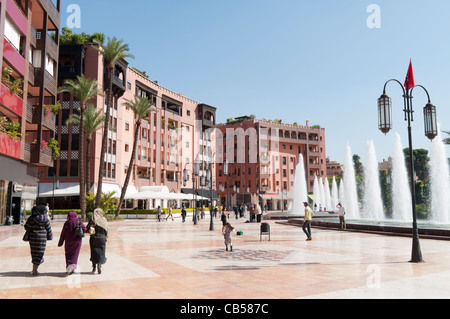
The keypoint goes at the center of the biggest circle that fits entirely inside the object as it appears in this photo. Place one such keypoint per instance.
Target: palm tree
(93, 121)
(84, 89)
(141, 108)
(113, 51)
(447, 140)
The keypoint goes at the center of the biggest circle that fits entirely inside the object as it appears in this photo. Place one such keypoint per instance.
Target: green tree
(359, 175)
(113, 51)
(93, 121)
(141, 108)
(421, 163)
(84, 89)
(386, 192)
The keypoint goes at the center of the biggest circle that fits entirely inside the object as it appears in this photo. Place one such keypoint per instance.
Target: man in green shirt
(307, 221)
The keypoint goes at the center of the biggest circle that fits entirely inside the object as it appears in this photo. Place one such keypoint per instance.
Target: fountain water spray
(334, 193)
(440, 183)
(300, 187)
(400, 187)
(373, 204)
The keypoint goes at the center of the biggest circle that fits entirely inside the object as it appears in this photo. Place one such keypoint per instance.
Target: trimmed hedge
(165, 211)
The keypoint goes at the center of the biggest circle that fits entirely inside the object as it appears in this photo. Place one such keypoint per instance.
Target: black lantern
(196, 168)
(385, 114)
(429, 113)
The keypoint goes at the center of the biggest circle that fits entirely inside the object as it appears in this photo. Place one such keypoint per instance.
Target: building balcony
(9, 146)
(51, 47)
(29, 115)
(32, 36)
(49, 120)
(27, 153)
(31, 74)
(52, 11)
(11, 101)
(50, 81)
(40, 157)
(17, 15)
(15, 59)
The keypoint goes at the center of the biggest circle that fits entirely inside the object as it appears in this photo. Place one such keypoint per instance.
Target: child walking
(226, 231)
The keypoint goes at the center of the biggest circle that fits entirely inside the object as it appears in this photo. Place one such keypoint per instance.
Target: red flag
(409, 82)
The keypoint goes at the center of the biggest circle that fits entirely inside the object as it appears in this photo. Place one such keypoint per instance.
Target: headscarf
(72, 221)
(99, 219)
(38, 210)
(38, 213)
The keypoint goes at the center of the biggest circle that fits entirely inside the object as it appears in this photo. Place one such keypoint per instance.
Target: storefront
(14, 176)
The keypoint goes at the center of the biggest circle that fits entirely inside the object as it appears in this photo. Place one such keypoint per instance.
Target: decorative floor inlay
(244, 255)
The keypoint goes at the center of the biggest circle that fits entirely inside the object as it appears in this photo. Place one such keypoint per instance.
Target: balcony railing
(9, 146)
(11, 101)
(50, 83)
(40, 157)
(14, 57)
(17, 15)
(52, 47)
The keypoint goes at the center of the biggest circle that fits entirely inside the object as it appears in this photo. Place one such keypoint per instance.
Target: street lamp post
(195, 173)
(385, 125)
(210, 181)
(225, 172)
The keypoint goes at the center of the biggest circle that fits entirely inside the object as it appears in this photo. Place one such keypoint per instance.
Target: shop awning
(64, 190)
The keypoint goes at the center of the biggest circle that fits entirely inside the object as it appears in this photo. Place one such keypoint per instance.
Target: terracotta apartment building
(262, 157)
(29, 32)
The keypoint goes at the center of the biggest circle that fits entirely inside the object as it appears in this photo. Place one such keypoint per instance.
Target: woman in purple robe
(72, 242)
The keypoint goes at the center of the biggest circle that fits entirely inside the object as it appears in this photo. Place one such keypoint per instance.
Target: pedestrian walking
(170, 213)
(98, 240)
(258, 213)
(227, 229)
(39, 232)
(307, 221)
(183, 214)
(47, 210)
(341, 213)
(223, 218)
(159, 212)
(22, 213)
(71, 241)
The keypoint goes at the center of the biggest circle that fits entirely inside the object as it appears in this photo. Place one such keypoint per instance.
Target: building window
(74, 168)
(63, 168)
(127, 126)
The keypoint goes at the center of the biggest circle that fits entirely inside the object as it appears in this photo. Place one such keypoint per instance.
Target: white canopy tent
(159, 195)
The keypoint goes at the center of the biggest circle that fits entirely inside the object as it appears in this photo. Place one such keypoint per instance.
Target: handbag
(91, 230)
(79, 230)
(26, 236)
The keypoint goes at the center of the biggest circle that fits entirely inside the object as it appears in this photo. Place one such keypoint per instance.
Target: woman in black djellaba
(98, 240)
(39, 231)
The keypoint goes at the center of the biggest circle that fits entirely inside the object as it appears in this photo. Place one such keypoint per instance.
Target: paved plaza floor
(172, 260)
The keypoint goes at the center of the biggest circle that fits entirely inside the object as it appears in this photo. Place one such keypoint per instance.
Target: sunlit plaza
(174, 260)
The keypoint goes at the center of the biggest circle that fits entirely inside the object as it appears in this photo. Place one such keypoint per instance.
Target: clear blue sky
(290, 59)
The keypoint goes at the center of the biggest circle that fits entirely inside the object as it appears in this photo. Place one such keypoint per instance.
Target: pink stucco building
(29, 32)
(169, 140)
